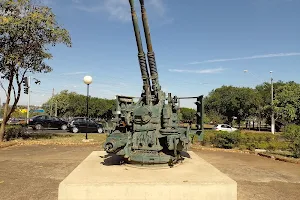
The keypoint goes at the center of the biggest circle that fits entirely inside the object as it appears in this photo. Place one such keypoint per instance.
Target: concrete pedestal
(103, 178)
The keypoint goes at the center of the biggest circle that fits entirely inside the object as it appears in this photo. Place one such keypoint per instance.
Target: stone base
(103, 178)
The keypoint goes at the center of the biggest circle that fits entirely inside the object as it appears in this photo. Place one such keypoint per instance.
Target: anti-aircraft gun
(147, 131)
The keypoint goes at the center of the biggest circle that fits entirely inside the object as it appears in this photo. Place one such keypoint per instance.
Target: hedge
(14, 132)
(245, 140)
(292, 135)
(20, 132)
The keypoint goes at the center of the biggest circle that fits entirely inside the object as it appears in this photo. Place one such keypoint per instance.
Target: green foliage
(287, 102)
(227, 140)
(70, 104)
(229, 101)
(26, 32)
(187, 113)
(14, 132)
(208, 137)
(244, 140)
(214, 116)
(264, 91)
(292, 134)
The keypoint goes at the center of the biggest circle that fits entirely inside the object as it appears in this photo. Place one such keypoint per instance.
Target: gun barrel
(150, 53)
(141, 54)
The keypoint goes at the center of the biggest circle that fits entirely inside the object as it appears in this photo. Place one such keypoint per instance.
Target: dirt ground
(34, 172)
(258, 178)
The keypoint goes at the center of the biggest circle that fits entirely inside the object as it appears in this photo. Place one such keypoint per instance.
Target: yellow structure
(22, 110)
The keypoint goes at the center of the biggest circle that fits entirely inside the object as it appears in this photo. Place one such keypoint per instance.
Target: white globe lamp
(87, 80)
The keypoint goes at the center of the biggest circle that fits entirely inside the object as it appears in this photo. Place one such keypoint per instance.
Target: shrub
(292, 135)
(242, 147)
(208, 138)
(245, 140)
(227, 140)
(14, 132)
(251, 146)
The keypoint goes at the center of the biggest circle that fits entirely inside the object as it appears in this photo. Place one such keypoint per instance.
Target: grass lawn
(58, 139)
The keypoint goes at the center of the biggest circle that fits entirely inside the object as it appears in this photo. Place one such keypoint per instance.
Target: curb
(266, 155)
(280, 158)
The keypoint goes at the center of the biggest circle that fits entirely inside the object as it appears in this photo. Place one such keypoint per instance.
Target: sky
(199, 45)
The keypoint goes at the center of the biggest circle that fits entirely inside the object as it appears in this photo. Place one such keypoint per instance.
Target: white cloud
(158, 5)
(44, 2)
(247, 58)
(119, 9)
(74, 73)
(202, 71)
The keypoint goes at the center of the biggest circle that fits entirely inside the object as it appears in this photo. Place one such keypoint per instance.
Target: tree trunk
(5, 119)
(2, 130)
(6, 112)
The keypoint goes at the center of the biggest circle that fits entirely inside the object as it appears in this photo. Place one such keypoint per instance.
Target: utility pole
(28, 102)
(55, 108)
(272, 106)
(51, 103)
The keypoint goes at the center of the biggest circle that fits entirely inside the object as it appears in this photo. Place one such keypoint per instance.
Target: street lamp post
(272, 97)
(28, 103)
(272, 106)
(87, 80)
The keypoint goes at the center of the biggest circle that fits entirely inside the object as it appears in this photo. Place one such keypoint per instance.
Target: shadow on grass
(45, 135)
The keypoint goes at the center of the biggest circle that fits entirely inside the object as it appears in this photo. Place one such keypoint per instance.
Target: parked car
(13, 121)
(82, 124)
(46, 121)
(224, 127)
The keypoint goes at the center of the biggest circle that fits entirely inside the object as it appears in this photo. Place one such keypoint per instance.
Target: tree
(229, 101)
(287, 103)
(264, 90)
(71, 104)
(214, 117)
(26, 30)
(187, 114)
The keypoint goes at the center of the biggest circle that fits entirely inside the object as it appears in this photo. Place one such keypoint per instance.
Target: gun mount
(147, 131)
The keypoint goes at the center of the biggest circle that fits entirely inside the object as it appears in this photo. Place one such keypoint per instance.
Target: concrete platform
(99, 178)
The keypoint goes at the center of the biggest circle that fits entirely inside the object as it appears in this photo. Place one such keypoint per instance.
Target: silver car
(224, 127)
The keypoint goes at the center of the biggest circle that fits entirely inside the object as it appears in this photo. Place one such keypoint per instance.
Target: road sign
(38, 111)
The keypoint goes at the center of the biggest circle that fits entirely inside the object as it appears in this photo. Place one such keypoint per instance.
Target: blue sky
(199, 46)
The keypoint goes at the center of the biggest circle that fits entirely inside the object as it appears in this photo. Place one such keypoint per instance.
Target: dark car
(46, 121)
(82, 124)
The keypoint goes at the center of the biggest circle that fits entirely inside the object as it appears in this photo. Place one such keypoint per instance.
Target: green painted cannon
(147, 131)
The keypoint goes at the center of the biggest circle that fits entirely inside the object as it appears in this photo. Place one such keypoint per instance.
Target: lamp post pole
(272, 106)
(28, 102)
(272, 98)
(87, 80)
(87, 110)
